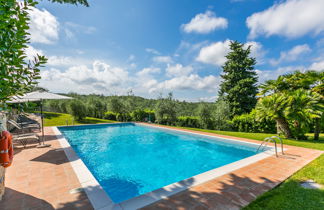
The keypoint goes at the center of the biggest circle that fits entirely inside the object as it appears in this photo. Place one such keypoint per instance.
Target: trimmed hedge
(248, 123)
(188, 121)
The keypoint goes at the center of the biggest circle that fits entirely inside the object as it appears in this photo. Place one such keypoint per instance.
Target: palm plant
(273, 107)
(303, 107)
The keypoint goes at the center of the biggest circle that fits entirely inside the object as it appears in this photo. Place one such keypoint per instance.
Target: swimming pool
(130, 160)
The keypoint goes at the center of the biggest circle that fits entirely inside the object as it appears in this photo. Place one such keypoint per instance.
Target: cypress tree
(239, 86)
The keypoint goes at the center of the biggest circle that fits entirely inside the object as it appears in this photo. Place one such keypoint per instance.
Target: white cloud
(150, 84)
(292, 18)
(146, 72)
(190, 82)
(292, 54)
(64, 61)
(214, 53)
(178, 70)
(318, 66)
(31, 52)
(44, 26)
(274, 74)
(153, 51)
(162, 59)
(100, 78)
(71, 29)
(205, 23)
(256, 50)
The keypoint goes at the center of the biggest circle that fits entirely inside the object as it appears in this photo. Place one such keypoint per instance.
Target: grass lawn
(290, 195)
(58, 119)
(260, 136)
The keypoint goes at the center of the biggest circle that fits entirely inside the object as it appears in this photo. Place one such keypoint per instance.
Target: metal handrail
(277, 137)
(266, 141)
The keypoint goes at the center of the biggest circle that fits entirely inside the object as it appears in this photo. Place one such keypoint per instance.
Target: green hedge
(188, 121)
(248, 123)
(110, 116)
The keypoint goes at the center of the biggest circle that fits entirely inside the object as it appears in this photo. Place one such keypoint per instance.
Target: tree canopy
(239, 86)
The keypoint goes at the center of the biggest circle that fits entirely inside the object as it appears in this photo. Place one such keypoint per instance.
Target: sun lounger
(21, 136)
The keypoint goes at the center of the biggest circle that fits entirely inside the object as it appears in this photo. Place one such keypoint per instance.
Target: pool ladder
(271, 139)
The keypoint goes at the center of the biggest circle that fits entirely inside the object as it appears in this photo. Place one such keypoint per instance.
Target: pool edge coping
(101, 200)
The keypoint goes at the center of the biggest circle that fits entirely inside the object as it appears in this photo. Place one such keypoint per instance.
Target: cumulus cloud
(44, 26)
(190, 82)
(274, 74)
(100, 78)
(146, 72)
(31, 52)
(293, 54)
(292, 18)
(204, 23)
(318, 66)
(257, 50)
(214, 53)
(178, 70)
(162, 59)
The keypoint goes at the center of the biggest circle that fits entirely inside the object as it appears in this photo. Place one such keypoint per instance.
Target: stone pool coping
(101, 200)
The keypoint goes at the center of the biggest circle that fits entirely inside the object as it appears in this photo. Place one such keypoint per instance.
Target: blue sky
(153, 47)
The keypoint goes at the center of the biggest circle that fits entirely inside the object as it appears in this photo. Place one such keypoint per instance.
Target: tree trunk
(284, 127)
(317, 129)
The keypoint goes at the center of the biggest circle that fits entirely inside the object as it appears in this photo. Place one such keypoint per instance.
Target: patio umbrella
(39, 96)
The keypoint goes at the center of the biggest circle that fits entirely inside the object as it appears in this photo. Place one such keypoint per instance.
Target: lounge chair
(21, 136)
(24, 125)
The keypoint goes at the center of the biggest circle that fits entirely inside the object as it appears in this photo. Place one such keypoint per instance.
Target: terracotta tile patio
(43, 179)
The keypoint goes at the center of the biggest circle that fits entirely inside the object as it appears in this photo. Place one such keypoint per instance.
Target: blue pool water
(130, 160)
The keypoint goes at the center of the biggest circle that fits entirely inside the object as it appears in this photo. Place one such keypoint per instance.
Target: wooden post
(3, 126)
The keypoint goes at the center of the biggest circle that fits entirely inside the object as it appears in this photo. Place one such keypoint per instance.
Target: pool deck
(43, 179)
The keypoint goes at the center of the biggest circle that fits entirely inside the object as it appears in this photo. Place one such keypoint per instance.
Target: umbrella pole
(43, 137)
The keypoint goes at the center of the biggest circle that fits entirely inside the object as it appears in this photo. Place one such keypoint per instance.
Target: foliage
(116, 105)
(294, 101)
(188, 121)
(239, 80)
(143, 115)
(221, 115)
(110, 115)
(77, 109)
(17, 74)
(205, 116)
(123, 117)
(249, 123)
(165, 110)
(83, 2)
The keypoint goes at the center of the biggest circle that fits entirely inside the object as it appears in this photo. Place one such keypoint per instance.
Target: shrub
(77, 109)
(205, 116)
(165, 110)
(221, 115)
(143, 115)
(123, 117)
(188, 121)
(248, 123)
(110, 116)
